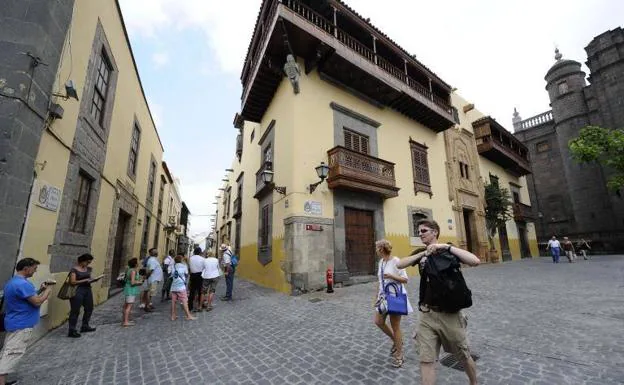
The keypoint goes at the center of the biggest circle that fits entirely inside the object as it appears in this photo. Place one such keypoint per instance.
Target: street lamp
(267, 178)
(322, 171)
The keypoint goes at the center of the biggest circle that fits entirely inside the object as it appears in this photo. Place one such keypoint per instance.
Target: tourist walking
(568, 247)
(229, 269)
(555, 248)
(210, 278)
(80, 276)
(154, 276)
(178, 288)
(167, 268)
(21, 304)
(196, 265)
(131, 290)
(441, 322)
(389, 274)
(583, 247)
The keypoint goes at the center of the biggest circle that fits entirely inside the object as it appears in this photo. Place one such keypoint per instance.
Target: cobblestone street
(533, 322)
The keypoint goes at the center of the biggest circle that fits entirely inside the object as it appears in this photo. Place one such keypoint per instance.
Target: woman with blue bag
(392, 299)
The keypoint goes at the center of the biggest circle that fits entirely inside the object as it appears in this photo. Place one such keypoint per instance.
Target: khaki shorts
(441, 329)
(151, 287)
(209, 285)
(15, 344)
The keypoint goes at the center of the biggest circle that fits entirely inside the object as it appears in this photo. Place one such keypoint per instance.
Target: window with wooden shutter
(356, 142)
(264, 232)
(420, 167)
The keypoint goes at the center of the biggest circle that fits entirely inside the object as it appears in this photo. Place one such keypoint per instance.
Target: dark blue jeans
(555, 251)
(229, 283)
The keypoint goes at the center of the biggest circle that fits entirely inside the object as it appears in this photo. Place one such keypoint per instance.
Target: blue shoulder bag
(396, 302)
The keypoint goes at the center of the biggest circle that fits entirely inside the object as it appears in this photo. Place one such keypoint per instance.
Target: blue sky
(190, 53)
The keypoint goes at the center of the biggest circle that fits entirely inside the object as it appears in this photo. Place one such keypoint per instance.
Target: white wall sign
(47, 196)
(313, 208)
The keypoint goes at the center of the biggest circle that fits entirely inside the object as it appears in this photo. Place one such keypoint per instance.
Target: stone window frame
(352, 137)
(420, 168)
(103, 70)
(543, 146)
(345, 118)
(412, 212)
(464, 170)
(151, 180)
(133, 167)
(146, 234)
(77, 205)
(562, 87)
(100, 45)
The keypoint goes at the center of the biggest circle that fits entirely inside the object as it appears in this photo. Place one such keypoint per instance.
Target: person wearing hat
(228, 270)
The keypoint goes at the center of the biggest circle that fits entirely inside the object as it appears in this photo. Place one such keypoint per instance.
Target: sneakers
(226, 298)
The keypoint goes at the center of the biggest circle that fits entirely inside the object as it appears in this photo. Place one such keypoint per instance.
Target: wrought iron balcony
(497, 144)
(352, 170)
(523, 213)
(237, 212)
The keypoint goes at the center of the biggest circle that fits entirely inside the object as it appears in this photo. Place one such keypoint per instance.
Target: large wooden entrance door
(120, 242)
(360, 241)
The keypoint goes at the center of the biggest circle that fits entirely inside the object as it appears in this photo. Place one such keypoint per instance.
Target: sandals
(397, 362)
(393, 350)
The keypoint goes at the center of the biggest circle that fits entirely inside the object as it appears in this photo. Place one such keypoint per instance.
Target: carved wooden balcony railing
(501, 147)
(352, 170)
(523, 213)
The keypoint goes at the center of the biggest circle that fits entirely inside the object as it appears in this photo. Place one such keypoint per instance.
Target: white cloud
(160, 59)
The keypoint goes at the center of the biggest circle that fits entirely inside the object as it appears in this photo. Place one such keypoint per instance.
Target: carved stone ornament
(291, 68)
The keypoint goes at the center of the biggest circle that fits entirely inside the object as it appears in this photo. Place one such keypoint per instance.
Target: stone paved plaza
(533, 322)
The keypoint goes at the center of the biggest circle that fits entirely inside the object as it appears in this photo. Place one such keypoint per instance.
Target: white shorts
(15, 344)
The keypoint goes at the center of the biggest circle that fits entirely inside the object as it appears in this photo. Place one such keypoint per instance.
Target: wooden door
(360, 241)
(120, 241)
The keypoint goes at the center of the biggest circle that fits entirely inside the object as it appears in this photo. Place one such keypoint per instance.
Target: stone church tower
(572, 199)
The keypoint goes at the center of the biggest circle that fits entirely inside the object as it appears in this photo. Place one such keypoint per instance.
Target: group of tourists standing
(441, 321)
(567, 246)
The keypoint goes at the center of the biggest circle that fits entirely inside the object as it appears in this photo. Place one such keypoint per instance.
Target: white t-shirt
(196, 263)
(227, 257)
(390, 267)
(554, 243)
(169, 263)
(179, 282)
(211, 268)
(157, 273)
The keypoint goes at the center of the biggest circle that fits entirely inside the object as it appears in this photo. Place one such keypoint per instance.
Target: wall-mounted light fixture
(225, 180)
(229, 170)
(267, 177)
(322, 171)
(70, 91)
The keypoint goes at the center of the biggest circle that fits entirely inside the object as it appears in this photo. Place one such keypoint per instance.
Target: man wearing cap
(228, 270)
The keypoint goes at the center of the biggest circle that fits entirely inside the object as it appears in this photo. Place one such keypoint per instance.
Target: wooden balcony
(262, 188)
(497, 144)
(351, 170)
(371, 65)
(237, 211)
(523, 213)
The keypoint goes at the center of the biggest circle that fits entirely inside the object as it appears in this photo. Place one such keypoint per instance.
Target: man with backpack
(229, 262)
(443, 293)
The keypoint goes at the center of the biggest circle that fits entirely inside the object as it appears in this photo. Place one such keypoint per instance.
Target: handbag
(389, 302)
(67, 290)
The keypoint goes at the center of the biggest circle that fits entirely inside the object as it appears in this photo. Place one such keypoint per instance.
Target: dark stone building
(32, 33)
(572, 199)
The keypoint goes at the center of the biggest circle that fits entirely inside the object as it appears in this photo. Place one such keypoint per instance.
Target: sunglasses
(423, 231)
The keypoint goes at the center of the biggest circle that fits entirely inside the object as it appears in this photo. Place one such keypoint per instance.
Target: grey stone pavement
(533, 322)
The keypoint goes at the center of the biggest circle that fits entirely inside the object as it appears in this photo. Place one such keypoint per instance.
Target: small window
(264, 230)
(463, 170)
(542, 147)
(455, 115)
(356, 142)
(151, 181)
(563, 87)
(416, 217)
(145, 237)
(134, 150)
(253, 135)
(494, 179)
(420, 167)
(80, 205)
(100, 93)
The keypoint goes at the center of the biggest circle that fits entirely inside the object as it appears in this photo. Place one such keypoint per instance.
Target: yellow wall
(128, 104)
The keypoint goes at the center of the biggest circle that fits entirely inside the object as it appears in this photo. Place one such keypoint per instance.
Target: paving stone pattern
(533, 322)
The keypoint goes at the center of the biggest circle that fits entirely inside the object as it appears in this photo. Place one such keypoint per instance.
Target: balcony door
(360, 241)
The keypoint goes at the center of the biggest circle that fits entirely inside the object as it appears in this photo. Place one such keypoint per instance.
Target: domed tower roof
(562, 66)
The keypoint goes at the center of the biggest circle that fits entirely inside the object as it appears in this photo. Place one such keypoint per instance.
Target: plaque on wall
(313, 208)
(47, 196)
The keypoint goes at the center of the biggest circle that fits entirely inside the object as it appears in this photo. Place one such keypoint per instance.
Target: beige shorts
(441, 329)
(151, 287)
(15, 344)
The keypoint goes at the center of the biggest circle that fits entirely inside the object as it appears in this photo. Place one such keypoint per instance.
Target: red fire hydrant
(329, 277)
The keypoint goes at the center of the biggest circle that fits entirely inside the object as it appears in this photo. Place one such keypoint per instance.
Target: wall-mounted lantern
(267, 178)
(322, 171)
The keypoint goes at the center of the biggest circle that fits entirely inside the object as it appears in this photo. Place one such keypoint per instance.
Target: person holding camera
(80, 276)
(131, 290)
(22, 304)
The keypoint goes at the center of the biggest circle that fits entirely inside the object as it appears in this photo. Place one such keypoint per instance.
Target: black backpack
(444, 285)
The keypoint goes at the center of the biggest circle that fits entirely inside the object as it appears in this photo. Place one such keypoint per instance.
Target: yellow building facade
(101, 186)
(358, 114)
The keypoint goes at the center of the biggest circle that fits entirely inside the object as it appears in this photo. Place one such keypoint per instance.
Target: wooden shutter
(356, 142)
(420, 167)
